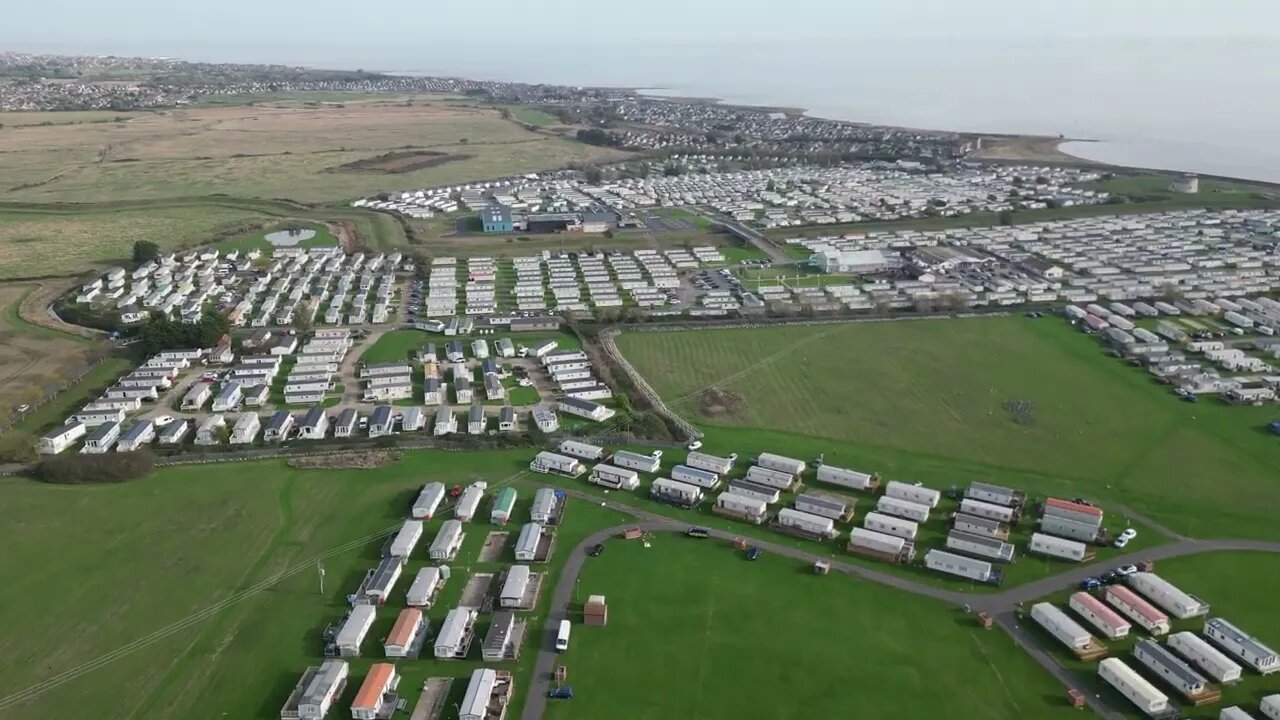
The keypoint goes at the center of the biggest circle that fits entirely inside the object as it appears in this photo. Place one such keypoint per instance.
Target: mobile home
(890, 525)
(675, 492)
(1059, 547)
(741, 507)
(780, 463)
(1163, 593)
(636, 461)
(979, 546)
(1093, 610)
(912, 511)
(1133, 686)
(428, 501)
(806, 523)
(913, 493)
(447, 542)
(1241, 645)
(710, 463)
(1206, 657)
(615, 478)
(844, 477)
(1137, 609)
(966, 567)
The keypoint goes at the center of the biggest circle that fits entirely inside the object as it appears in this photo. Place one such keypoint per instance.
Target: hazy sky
(389, 33)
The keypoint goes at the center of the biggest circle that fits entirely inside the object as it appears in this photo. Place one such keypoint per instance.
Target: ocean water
(1198, 105)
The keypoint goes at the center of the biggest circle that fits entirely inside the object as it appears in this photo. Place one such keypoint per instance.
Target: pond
(290, 236)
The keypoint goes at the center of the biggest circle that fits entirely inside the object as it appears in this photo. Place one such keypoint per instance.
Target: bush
(107, 468)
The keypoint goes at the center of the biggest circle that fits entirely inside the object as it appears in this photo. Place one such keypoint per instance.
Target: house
(585, 409)
(174, 433)
(256, 395)
(412, 419)
(102, 438)
(228, 398)
(278, 427)
(493, 389)
(61, 438)
(495, 218)
(544, 418)
(433, 391)
(380, 422)
(427, 353)
(246, 429)
(476, 420)
(314, 425)
(462, 390)
(507, 419)
(345, 426)
(506, 348)
(139, 434)
(453, 352)
(445, 424)
(197, 396)
(210, 429)
(284, 345)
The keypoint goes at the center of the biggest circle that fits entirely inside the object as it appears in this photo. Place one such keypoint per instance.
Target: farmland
(696, 626)
(1240, 587)
(928, 401)
(114, 564)
(301, 152)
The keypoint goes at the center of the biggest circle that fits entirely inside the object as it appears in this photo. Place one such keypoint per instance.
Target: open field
(294, 152)
(14, 120)
(924, 400)
(1157, 187)
(32, 357)
(258, 240)
(1026, 149)
(96, 568)
(1240, 587)
(532, 116)
(697, 627)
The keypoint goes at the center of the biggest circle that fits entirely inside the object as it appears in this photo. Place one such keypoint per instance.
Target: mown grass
(532, 116)
(925, 400)
(696, 630)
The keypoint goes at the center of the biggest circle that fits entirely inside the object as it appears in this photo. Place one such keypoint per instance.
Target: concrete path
(1002, 606)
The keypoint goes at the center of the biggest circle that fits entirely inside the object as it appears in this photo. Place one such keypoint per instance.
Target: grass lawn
(696, 627)
(532, 116)
(1157, 187)
(96, 568)
(403, 345)
(924, 400)
(258, 240)
(1220, 580)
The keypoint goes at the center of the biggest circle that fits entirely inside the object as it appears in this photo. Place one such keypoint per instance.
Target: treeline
(76, 469)
(164, 334)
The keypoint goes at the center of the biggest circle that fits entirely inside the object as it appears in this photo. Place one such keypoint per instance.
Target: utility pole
(320, 572)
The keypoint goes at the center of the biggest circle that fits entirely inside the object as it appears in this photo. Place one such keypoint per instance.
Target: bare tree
(1023, 412)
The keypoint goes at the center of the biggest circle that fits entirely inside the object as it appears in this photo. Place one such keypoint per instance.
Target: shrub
(106, 468)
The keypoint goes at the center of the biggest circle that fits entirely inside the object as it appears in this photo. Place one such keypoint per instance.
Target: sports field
(695, 630)
(1239, 586)
(931, 401)
(94, 570)
(301, 152)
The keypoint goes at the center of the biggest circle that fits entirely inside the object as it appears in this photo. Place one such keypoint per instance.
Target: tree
(144, 251)
(163, 333)
(302, 324)
(594, 175)
(463, 141)
(111, 467)
(18, 447)
(1006, 217)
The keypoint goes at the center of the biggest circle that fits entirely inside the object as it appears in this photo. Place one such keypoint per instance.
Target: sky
(395, 34)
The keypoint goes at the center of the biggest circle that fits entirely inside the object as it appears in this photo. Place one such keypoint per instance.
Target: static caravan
(581, 450)
(1171, 668)
(891, 525)
(448, 541)
(1234, 713)
(710, 463)
(406, 539)
(702, 478)
(1270, 707)
(406, 634)
(879, 545)
(675, 492)
(455, 635)
(975, 525)
(636, 461)
(806, 523)
(1137, 609)
(1240, 644)
(979, 546)
(503, 505)
(514, 586)
(913, 493)
(615, 478)
(754, 490)
(741, 507)
(469, 501)
(61, 438)
(1059, 547)
(993, 494)
(1206, 657)
(844, 477)
(428, 501)
(1070, 529)
(771, 478)
(1077, 512)
(527, 542)
(316, 691)
(769, 461)
(825, 506)
(897, 507)
(379, 582)
(1093, 610)
(550, 463)
(425, 587)
(990, 511)
(1163, 593)
(1133, 686)
(354, 629)
(965, 567)
(545, 501)
(1067, 631)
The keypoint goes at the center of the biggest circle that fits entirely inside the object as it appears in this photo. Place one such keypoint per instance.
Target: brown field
(32, 357)
(270, 152)
(1027, 149)
(401, 162)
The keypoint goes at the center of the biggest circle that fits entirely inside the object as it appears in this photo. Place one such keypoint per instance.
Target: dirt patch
(347, 461)
(476, 592)
(494, 543)
(346, 234)
(401, 162)
(718, 402)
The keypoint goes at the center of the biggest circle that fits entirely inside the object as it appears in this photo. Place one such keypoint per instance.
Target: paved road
(1002, 605)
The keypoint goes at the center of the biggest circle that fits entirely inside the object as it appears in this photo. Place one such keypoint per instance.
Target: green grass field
(1240, 587)
(924, 400)
(258, 240)
(695, 630)
(532, 116)
(94, 569)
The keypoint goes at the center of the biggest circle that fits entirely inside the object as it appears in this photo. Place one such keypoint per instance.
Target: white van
(562, 637)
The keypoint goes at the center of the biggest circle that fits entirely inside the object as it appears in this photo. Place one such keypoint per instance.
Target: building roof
(279, 420)
(347, 417)
(507, 414)
(1073, 507)
(370, 694)
(381, 416)
(406, 626)
(313, 417)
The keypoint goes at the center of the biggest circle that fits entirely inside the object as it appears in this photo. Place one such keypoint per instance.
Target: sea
(1201, 105)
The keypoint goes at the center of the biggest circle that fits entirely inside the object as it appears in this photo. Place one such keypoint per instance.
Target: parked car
(1120, 541)
(1126, 570)
(754, 553)
(162, 420)
(697, 532)
(564, 692)
(1092, 583)
(595, 550)
(694, 445)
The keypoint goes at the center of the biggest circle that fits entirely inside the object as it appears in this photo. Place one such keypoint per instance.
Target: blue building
(496, 218)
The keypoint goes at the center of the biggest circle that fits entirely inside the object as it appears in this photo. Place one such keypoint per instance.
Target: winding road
(1002, 606)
